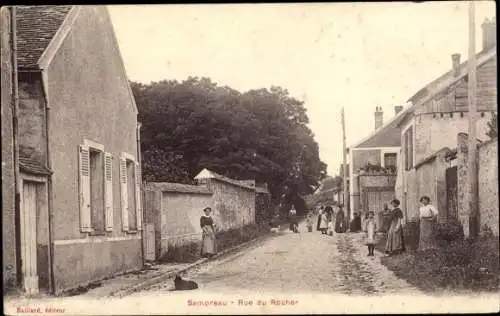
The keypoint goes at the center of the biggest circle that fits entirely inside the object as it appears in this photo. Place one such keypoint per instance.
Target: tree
(493, 126)
(260, 134)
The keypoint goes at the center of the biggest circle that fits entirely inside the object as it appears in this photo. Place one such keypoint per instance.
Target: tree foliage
(261, 134)
(493, 126)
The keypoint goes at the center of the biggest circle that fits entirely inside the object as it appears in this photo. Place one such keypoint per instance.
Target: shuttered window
(95, 188)
(108, 174)
(84, 187)
(408, 148)
(131, 193)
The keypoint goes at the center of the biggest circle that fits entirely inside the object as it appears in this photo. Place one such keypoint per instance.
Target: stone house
(438, 113)
(80, 179)
(373, 162)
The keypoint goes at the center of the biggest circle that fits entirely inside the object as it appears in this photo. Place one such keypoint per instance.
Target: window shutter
(84, 188)
(124, 193)
(138, 196)
(108, 187)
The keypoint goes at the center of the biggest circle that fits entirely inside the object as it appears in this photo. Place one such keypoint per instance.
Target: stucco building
(373, 163)
(439, 112)
(80, 182)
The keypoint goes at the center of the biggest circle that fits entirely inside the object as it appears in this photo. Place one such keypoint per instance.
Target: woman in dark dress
(319, 218)
(339, 221)
(395, 239)
(208, 248)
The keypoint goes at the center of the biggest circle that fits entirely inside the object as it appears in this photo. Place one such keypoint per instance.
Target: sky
(329, 55)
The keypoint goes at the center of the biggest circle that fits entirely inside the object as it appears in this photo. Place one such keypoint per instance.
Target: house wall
(180, 219)
(488, 185)
(262, 207)
(434, 133)
(8, 180)
(234, 206)
(32, 136)
(431, 182)
(90, 99)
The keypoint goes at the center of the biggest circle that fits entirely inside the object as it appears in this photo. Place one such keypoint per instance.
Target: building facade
(435, 119)
(78, 142)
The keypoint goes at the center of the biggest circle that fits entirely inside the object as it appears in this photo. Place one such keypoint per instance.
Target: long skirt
(208, 243)
(427, 238)
(395, 240)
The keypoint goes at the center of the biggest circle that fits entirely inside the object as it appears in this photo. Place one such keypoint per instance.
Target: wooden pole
(472, 142)
(344, 154)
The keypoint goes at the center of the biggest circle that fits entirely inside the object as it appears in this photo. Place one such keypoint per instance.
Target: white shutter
(84, 187)
(138, 196)
(108, 187)
(124, 194)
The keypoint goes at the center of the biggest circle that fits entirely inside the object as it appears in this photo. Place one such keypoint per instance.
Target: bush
(449, 231)
(411, 233)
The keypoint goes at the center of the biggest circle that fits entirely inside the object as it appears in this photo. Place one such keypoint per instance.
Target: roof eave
(58, 38)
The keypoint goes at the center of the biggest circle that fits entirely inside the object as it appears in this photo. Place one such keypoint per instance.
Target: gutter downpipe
(139, 158)
(15, 132)
(50, 191)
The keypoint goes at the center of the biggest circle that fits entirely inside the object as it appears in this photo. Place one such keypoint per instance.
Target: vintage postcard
(300, 158)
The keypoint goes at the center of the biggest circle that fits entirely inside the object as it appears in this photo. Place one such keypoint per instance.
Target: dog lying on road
(184, 285)
(275, 229)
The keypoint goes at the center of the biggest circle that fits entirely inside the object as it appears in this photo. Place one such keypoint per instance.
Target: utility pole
(472, 150)
(344, 154)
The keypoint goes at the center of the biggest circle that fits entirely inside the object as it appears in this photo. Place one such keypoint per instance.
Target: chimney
(455, 59)
(489, 33)
(397, 109)
(379, 117)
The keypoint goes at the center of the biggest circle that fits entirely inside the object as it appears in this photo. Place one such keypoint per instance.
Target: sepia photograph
(250, 158)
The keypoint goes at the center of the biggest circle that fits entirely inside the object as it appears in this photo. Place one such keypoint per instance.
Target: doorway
(35, 259)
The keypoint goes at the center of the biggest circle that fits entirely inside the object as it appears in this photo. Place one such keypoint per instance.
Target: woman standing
(319, 218)
(428, 215)
(293, 220)
(208, 248)
(395, 240)
(339, 221)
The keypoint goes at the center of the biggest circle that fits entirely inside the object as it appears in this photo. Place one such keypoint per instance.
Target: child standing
(370, 230)
(309, 222)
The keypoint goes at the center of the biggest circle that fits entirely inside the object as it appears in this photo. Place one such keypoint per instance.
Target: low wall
(488, 185)
(80, 262)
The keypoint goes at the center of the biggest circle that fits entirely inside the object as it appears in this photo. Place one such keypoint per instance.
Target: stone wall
(488, 185)
(234, 205)
(32, 136)
(8, 182)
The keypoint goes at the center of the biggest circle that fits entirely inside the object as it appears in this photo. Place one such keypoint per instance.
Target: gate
(374, 200)
(451, 193)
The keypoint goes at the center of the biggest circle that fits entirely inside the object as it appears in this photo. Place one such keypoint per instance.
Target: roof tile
(36, 26)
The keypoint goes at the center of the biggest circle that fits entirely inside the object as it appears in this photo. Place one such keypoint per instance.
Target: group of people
(330, 221)
(395, 243)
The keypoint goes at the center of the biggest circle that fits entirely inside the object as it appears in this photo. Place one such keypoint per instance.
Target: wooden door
(375, 200)
(28, 238)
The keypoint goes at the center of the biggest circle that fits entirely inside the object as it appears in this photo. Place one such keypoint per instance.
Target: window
(408, 148)
(390, 160)
(95, 187)
(130, 188)
(96, 190)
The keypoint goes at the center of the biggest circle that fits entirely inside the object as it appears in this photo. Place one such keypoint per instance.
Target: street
(297, 264)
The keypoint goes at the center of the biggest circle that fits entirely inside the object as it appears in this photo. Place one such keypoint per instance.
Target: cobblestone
(298, 263)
